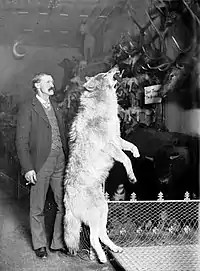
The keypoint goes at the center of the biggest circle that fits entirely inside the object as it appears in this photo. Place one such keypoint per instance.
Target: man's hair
(37, 78)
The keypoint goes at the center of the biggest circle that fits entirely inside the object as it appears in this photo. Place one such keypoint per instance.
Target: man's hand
(31, 177)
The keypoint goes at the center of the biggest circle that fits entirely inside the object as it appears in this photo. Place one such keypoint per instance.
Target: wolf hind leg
(72, 226)
(93, 223)
(103, 231)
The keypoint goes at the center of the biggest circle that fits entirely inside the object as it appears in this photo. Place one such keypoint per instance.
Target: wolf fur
(94, 144)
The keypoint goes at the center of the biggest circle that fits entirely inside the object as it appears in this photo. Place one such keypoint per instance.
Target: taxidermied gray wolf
(94, 144)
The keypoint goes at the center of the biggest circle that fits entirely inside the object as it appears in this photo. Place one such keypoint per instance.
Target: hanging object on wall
(18, 53)
(152, 94)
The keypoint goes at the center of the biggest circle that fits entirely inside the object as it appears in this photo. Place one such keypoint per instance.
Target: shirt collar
(43, 102)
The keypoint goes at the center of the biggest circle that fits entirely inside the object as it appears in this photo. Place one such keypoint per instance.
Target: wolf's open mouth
(118, 76)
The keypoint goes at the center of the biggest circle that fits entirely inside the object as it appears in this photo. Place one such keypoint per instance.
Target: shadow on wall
(16, 75)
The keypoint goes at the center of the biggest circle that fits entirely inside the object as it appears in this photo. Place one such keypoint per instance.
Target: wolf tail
(72, 226)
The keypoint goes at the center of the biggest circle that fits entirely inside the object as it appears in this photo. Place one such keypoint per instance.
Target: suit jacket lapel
(60, 120)
(39, 109)
(58, 115)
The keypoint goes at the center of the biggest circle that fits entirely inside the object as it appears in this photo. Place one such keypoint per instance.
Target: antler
(179, 48)
(191, 12)
(159, 33)
(161, 67)
(141, 29)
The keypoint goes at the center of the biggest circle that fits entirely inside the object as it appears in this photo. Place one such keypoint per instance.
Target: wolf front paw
(132, 178)
(135, 151)
(133, 181)
(117, 249)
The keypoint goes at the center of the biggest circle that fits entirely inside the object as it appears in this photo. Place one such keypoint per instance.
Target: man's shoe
(41, 253)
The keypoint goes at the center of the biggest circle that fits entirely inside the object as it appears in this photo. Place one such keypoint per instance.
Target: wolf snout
(114, 70)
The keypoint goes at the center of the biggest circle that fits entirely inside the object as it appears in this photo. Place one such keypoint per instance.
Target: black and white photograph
(99, 135)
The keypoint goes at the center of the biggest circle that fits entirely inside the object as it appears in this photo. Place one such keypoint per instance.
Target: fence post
(133, 197)
(107, 197)
(187, 196)
(160, 197)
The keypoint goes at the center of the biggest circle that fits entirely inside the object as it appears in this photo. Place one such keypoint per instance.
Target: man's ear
(37, 85)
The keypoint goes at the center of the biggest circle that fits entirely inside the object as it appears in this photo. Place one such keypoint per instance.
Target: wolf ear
(90, 84)
(87, 78)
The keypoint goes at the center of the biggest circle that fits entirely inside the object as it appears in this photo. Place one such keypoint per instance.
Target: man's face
(46, 85)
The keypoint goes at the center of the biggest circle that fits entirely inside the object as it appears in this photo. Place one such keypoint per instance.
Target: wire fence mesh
(153, 223)
(154, 229)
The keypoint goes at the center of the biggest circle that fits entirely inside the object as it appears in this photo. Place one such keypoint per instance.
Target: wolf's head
(101, 81)
(98, 88)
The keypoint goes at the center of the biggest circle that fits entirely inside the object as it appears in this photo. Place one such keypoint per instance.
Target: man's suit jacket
(34, 135)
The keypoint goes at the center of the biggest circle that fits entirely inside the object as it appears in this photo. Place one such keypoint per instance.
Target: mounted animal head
(66, 64)
(163, 162)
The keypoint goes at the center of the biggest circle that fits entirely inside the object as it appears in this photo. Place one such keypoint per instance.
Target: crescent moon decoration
(15, 53)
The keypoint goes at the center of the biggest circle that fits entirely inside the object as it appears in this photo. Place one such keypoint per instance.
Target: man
(41, 147)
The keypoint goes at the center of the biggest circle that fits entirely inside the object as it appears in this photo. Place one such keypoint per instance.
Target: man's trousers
(52, 173)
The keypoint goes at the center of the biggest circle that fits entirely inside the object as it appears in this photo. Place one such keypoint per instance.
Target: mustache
(51, 88)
